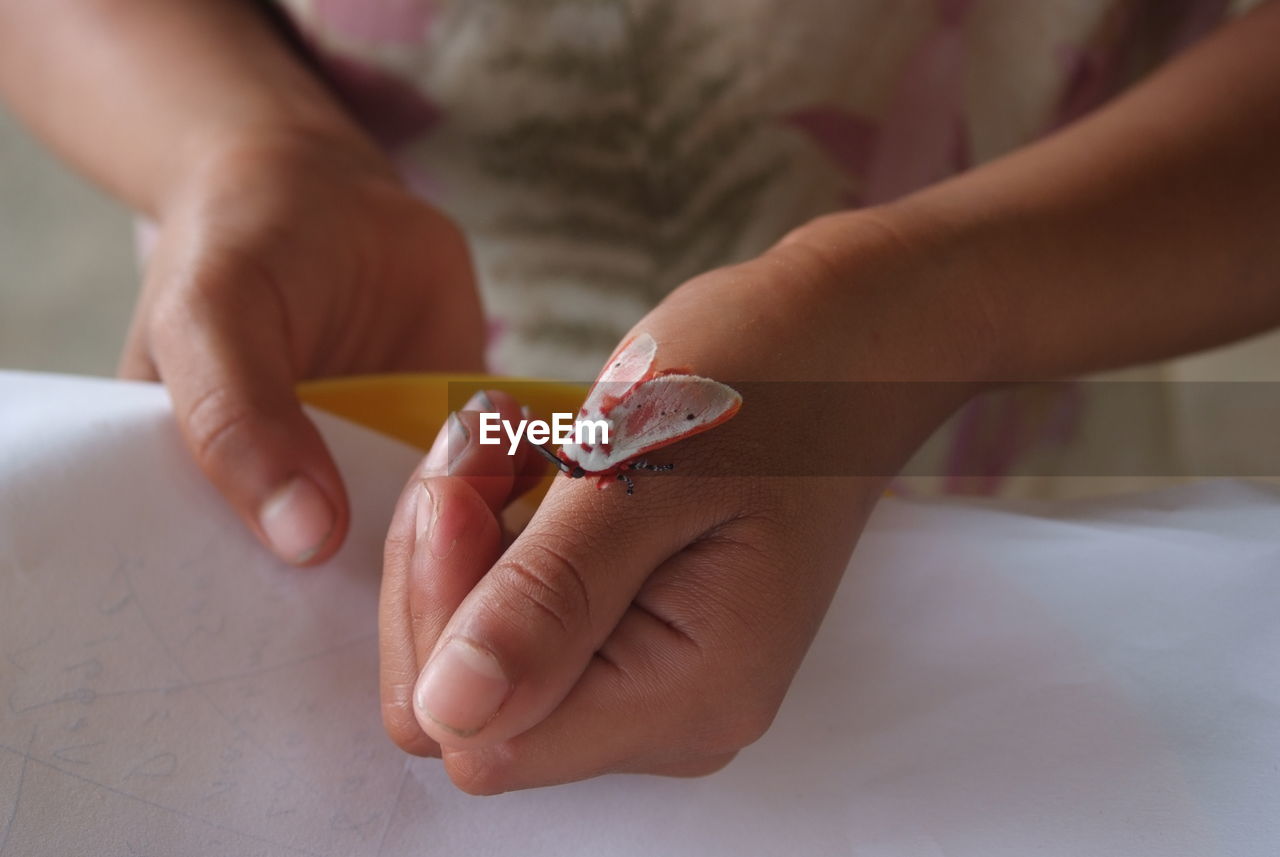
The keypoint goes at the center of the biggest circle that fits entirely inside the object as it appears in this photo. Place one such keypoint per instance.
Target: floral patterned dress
(600, 152)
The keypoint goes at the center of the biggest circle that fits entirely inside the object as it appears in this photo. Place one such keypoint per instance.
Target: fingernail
(449, 444)
(461, 688)
(480, 401)
(297, 520)
(459, 438)
(438, 539)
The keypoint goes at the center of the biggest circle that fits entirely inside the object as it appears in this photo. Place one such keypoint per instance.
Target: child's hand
(284, 261)
(659, 632)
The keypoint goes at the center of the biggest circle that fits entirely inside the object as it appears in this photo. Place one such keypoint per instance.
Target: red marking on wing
(628, 367)
(669, 408)
(649, 409)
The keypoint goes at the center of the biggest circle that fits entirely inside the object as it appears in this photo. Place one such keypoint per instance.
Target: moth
(645, 410)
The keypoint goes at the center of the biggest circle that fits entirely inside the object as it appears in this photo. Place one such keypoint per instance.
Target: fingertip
(481, 773)
(460, 690)
(482, 402)
(300, 523)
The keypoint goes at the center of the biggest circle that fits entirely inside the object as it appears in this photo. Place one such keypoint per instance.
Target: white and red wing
(630, 365)
(658, 412)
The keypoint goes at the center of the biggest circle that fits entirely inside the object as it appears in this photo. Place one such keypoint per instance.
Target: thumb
(229, 376)
(521, 639)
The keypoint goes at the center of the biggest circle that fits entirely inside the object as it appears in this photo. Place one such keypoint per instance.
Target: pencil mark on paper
(159, 765)
(75, 753)
(15, 657)
(17, 797)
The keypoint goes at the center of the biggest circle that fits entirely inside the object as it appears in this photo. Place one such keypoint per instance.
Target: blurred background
(67, 271)
(68, 274)
(68, 277)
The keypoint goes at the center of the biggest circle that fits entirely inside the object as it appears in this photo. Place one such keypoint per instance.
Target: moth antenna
(552, 457)
(642, 464)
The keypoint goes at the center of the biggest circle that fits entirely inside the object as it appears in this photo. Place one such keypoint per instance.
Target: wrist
(315, 146)
(912, 332)
(901, 287)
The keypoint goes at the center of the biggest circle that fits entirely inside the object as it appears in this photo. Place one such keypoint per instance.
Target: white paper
(1082, 680)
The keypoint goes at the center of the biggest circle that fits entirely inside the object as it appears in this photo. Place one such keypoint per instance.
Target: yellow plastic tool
(412, 407)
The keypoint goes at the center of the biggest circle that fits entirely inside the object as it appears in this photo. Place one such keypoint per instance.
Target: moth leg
(644, 465)
(631, 486)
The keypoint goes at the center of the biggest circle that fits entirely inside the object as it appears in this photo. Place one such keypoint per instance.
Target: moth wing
(630, 365)
(666, 409)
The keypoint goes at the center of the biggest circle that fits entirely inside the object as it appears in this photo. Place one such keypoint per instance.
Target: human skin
(287, 246)
(658, 633)
(655, 633)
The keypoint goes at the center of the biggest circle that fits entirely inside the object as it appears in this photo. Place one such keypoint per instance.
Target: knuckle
(549, 583)
(208, 293)
(216, 417)
(734, 729)
(212, 286)
(179, 313)
(171, 314)
(744, 728)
